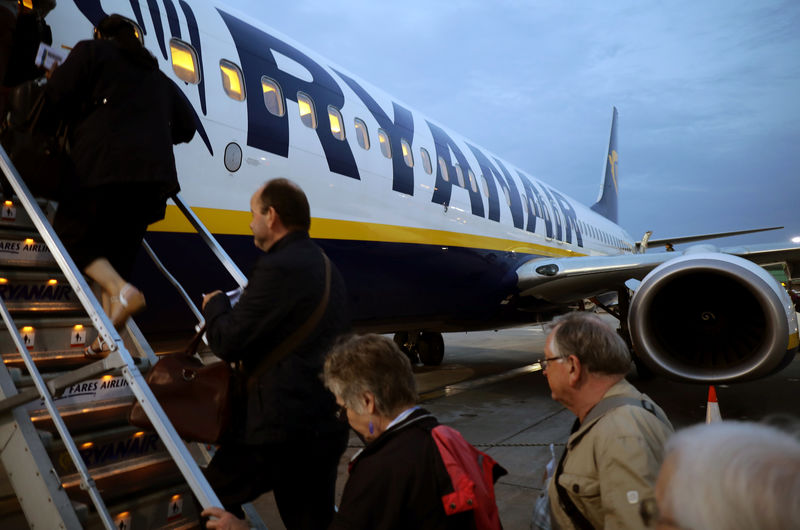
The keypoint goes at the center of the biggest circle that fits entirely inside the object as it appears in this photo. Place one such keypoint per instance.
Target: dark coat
(126, 115)
(283, 290)
(397, 482)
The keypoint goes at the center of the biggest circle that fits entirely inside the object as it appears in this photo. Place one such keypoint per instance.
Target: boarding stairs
(68, 457)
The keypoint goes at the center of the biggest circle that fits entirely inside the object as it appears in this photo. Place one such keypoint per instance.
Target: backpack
(35, 142)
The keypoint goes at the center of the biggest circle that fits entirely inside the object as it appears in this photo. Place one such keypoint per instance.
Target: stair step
(24, 290)
(84, 417)
(14, 216)
(170, 508)
(104, 448)
(23, 381)
(53, 343)
(20, 250)
(119, 480)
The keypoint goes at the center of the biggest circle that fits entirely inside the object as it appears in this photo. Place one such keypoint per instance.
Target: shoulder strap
(604, 406)
(613, 402)
(572, 511)
(299, 334)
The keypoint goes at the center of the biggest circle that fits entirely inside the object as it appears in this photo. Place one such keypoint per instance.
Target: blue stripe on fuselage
(391, 285)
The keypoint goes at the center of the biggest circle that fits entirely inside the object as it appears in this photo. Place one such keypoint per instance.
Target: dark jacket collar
(288, 239)
(420, 417)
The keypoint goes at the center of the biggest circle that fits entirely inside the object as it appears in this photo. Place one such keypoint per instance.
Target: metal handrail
(171, 279)
(175, 446)
(205, 234)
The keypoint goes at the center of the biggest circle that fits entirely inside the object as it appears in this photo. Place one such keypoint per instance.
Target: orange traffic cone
(712, 409)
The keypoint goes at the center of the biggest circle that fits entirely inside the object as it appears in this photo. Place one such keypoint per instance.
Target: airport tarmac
(487, 389)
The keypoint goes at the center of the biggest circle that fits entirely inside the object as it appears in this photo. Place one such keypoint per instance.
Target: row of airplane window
(184, 64)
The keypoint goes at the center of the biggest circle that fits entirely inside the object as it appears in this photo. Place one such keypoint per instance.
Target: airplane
(432, 233)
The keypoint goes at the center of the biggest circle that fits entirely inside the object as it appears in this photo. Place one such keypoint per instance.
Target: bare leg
(101, 271)
(120, 299)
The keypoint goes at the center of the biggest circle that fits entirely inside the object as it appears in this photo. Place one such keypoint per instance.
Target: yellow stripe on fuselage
(231, 222)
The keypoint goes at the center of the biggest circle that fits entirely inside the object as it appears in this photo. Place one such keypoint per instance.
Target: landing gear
(430, 348)
(426, 347)
(621, 314)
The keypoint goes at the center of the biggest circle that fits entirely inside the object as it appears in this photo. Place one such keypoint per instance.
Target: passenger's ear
(368, 401)
(573, 370)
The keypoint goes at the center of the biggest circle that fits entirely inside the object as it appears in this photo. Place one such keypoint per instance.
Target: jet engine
(712, 318)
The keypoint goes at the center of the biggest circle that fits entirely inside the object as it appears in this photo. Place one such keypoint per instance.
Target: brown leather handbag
(195, 397)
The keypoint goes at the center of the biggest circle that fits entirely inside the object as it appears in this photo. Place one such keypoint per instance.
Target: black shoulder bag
(37, 146)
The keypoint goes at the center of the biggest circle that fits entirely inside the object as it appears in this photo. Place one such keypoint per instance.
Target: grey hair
(370, 363)
(734, 475)
(596, 344)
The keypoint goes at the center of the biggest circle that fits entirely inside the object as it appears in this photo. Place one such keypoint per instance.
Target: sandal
(130, 302)
(98, 350)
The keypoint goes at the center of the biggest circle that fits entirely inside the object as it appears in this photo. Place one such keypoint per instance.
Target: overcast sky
(708, 94)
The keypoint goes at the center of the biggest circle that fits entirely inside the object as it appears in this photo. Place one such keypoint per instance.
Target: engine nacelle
(712, 318)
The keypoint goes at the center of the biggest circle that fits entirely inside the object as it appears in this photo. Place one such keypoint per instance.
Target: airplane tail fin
(606, 204)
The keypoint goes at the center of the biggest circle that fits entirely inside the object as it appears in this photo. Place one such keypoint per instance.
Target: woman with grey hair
(728, 475)
(404, 476)
(412, 472)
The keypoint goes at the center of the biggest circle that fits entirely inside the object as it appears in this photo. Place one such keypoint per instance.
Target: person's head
(372, 379)
(581, 345)
(729, 475)
(278, 207)
(118, 28)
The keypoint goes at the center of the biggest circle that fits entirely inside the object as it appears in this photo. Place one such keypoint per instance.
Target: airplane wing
(564, 280)
(669, 242)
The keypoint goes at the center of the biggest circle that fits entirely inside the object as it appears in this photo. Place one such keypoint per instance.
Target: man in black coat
(286, 438)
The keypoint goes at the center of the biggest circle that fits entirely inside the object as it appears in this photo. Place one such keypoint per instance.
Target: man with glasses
(613, 455)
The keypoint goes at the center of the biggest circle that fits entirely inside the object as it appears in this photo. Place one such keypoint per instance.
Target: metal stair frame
(175, 446)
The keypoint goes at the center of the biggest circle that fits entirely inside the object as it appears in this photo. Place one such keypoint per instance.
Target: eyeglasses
(341, 413)
(544, 362)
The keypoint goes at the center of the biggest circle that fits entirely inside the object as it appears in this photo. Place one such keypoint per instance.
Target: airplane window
(407, 155)
(335, 118)
(383, 139)
(426, 160)
(472, 183)
(273, 97)
(362, 134)
(307, 114)
(460, 176)
(184, 61)
(485, 184)
(443, 169)
(232, 80)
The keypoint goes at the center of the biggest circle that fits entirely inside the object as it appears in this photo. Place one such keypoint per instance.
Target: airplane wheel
(430, 347)
(401, 339)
